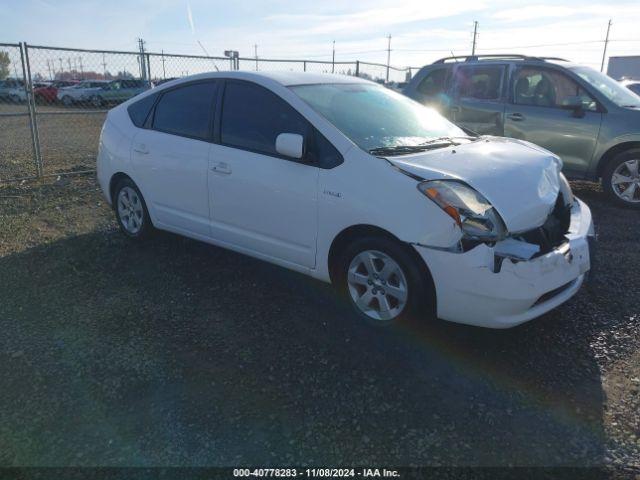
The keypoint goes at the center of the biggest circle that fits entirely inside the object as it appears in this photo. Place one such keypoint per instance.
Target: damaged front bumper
(481, 287)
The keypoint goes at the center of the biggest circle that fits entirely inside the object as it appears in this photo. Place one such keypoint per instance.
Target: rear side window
(252, 118)
(480, 82)
(139, 111)
(187, 111)
(435, 83)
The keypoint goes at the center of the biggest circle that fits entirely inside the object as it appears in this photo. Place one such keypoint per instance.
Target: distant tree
(125, 75)
(5, 61)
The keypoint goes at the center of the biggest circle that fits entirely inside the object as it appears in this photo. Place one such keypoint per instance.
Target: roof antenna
(193, 31)
(454, 56)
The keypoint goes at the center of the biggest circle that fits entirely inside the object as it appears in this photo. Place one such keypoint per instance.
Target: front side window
(479, 82)
(253, 117)
(608, 87)
(548, 88)
(187, 110)
(372, 116)
(434, 83)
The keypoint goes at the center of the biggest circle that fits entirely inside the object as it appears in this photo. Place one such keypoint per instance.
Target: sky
(421, 31)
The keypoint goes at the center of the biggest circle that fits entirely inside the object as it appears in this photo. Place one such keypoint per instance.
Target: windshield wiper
(405, 149)
(448, 140)
(431, 144)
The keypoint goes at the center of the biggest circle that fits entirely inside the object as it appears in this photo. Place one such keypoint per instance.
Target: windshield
(609, 87)
(374, 117)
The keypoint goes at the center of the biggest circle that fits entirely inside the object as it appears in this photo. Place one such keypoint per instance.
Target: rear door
(171, 157)
(536, 113)
(260, 201)
(479, 98)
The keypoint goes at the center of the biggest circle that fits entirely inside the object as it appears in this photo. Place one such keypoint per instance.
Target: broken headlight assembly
(473, 213)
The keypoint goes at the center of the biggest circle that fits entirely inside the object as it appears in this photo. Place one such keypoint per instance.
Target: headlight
(473, 213)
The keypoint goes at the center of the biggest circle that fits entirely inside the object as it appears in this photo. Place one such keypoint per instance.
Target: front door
(261, 202)
(536, 112)
(478, 103)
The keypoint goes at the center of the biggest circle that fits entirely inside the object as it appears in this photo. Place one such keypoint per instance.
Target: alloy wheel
(377, 285)
(130, 210)
(625, 181)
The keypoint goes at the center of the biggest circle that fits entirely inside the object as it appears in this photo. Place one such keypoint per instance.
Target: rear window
(139, 111)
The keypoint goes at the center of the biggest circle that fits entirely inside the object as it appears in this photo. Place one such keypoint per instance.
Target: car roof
(284, 78)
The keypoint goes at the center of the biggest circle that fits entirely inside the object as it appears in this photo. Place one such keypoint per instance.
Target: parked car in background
(48, 93)
(118, 91)
(587, 118)
(349, 182)
(81, 92)
(633, 85)
(12, 91)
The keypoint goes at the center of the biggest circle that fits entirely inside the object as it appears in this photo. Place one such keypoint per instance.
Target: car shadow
(174, 352)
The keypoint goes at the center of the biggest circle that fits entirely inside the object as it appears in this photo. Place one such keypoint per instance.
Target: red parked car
(48, 93)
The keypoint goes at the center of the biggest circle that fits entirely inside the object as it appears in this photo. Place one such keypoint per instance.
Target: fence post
(357, 68)
(148, 69)
(31, 106)
(304, 66)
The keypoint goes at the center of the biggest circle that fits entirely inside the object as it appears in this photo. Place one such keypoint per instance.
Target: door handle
(222, 168)
(516, 117)
(141, 148)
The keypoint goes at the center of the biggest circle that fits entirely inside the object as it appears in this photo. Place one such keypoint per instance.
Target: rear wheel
(384, 283)
(621, 179)
(67, 101)
(96, 101)
(131, 210)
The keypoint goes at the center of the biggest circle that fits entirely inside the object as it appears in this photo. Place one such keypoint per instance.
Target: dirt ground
(179, 353)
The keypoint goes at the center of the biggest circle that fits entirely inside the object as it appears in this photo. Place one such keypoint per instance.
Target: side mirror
(574, 103)
(290, 145)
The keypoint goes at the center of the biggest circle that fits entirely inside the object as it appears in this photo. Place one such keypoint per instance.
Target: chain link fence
(53, 101)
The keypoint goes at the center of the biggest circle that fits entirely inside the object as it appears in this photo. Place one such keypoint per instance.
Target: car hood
(520, 179)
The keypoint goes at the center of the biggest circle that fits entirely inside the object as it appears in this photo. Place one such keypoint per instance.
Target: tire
(131, 211)
(15, 99)
(377, 290)
(625, 165)
(67, 101)
(96, 101)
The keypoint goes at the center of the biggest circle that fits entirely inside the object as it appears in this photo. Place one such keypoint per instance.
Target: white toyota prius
(353, 184)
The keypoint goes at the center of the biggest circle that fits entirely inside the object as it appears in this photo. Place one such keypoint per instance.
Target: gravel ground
(68, 141)
(179, 353)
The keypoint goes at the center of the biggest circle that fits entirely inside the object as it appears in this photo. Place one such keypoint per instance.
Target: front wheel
(621, 179)
(384, 282)
(67, 101)
(131, 211)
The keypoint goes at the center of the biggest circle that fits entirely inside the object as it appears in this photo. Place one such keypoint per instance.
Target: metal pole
(304, 66)
(164, 73)
(475, 33)
(33, 123)
(333, 58)
(388, 57)
(606, 42)
(255, 51)
(148, 60)
(357, 68)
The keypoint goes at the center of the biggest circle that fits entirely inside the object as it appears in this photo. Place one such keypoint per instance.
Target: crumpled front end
(507, 283)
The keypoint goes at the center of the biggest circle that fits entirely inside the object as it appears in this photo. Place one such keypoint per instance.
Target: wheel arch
(113, 183)
(349, 234)
(612, 152)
